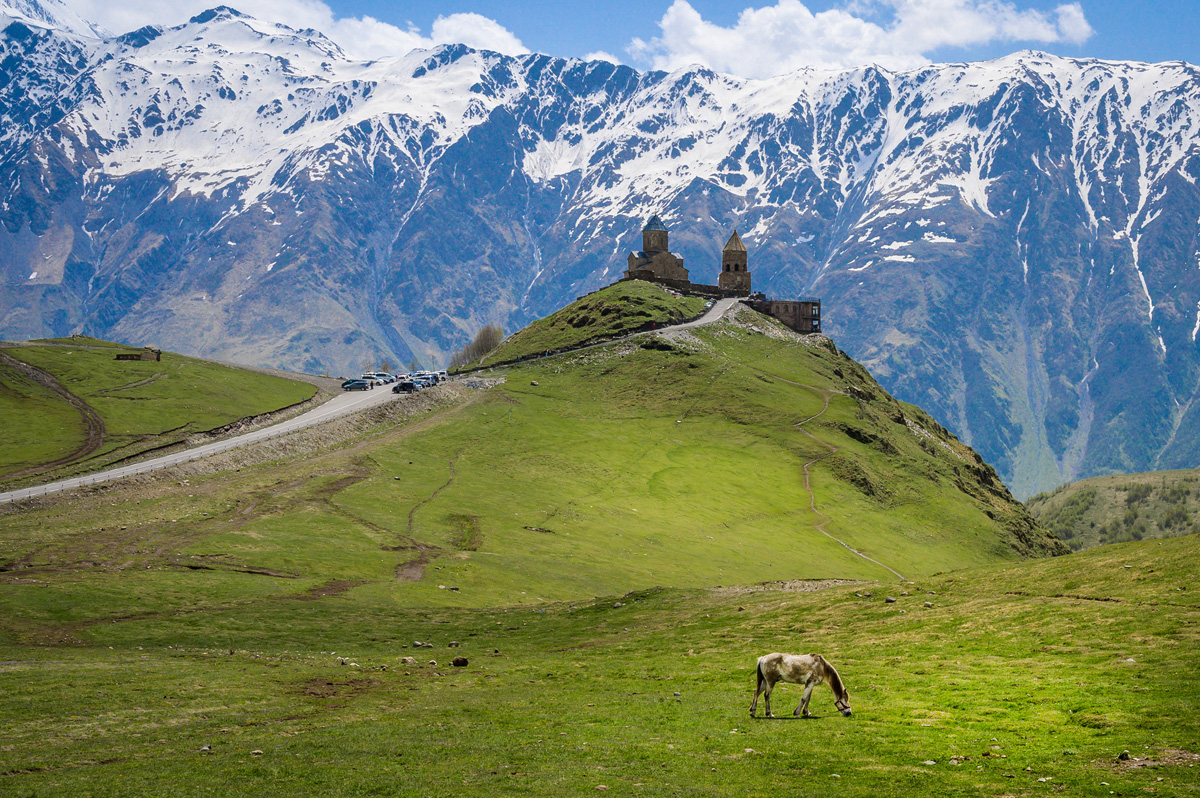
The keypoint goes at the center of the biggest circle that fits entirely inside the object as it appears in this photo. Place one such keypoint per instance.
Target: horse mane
(835, 681)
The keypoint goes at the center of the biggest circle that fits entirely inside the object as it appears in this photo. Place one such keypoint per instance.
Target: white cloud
(475, 30)
(601, 55)
(360, 37)
(897, 34)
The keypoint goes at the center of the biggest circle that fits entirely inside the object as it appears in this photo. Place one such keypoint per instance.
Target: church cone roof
(655, 224)
(734, 244)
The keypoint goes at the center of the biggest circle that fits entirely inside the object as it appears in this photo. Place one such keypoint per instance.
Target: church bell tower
(735, 273)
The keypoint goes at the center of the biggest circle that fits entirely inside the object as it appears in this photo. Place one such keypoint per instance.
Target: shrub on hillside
(485, 341)
(1135, 493)
(1174, 494)
(1176, 516)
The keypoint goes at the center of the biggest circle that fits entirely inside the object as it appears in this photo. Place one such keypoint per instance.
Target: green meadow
(609, 538)
(1025, 680)
(142, 405)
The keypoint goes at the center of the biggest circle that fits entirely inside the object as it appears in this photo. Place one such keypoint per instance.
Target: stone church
(656, 263)
(655, 260)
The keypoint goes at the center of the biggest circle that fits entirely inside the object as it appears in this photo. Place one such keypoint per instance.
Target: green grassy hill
(106, 410)
(1121, 508)
(594, 531)
(736, 453)
(611, 312)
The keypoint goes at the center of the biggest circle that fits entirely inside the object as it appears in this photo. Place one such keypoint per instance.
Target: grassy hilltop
(597, 532)
(78, 409)
(611, 312)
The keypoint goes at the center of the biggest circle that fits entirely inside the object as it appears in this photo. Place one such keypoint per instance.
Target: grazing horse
(806, 669)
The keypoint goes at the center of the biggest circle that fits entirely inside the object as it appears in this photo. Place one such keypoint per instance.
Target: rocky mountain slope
(1010, 244)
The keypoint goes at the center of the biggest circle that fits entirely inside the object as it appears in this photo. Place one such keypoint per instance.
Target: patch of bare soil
(331, 589)
(414, 570)
(324, 688)
(1170, 756)
(798, 585)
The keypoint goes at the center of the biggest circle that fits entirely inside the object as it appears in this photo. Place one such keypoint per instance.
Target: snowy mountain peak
(218, 12)
(52, 14)
(1009, 243)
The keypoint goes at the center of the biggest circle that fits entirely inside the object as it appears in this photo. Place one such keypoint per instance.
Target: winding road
(340, 405)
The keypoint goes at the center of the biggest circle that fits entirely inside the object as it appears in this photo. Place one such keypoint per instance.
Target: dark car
(406, 387)
(357, 385)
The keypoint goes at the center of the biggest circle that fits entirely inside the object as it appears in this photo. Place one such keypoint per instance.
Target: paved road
(340, 405)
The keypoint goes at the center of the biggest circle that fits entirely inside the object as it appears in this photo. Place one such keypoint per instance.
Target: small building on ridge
(655, 261)
(657, 264)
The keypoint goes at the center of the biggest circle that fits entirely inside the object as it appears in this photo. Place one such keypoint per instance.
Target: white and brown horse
(806, 669)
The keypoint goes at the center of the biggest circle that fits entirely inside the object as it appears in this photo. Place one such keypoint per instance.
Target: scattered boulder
(452, 644)
(408, 661)
(890, 600)
(534, 383)
(1124, 756)
(459, 662)
(928, 603)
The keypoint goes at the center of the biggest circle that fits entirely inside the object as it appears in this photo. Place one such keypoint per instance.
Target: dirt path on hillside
(414, 570)
(812, 498)
(91, 419)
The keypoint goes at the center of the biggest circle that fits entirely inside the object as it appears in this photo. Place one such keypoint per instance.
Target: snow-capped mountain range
(1010, 244)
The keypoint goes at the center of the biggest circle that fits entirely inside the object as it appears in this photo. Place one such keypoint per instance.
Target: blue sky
(1165, 30)
(753, 38)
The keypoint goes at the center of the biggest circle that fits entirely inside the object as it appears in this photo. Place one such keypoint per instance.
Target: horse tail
(759, 685)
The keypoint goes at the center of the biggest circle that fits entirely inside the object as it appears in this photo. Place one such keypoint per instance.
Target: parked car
(358, 385)
(406, 386)
(442, 376)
